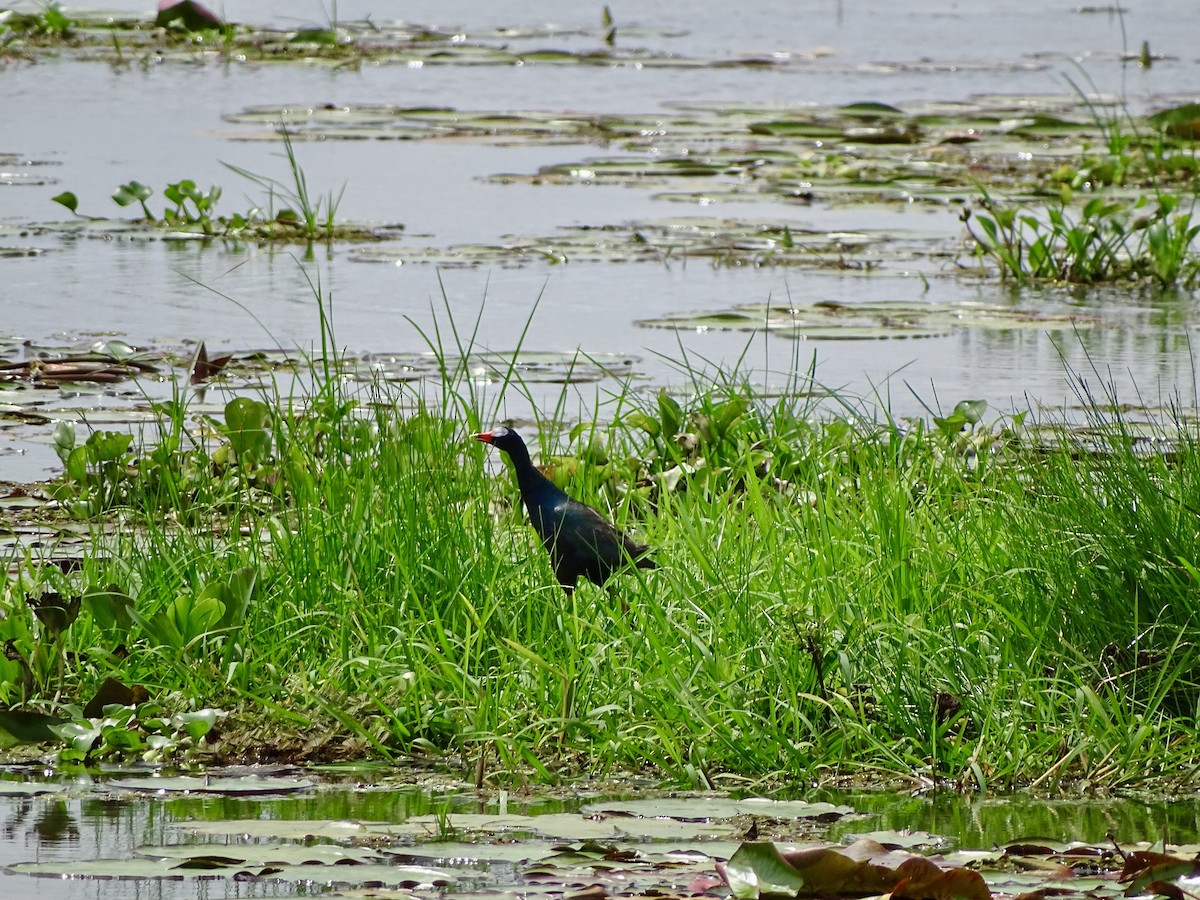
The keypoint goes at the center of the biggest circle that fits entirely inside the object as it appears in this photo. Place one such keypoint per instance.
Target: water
(138, 839)
(163, 122)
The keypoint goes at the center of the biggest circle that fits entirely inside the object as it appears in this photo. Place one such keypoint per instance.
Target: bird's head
(504, 438)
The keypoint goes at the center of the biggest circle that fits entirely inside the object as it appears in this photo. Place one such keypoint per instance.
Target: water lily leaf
(705, 808)
(903, 839)
(213, 865)
(869, 321)
(291, 829)
(573, 827)
(269, 853)
(757, 870)
(870, 110)
(921, 879)
(794, 129)
(30, 788)
(247, 785)
(760, 869)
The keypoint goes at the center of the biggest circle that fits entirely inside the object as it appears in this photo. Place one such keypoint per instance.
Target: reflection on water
(73, 825)
(986, 822)
(84, 822)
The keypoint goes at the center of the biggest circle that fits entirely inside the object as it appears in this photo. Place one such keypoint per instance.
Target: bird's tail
(646, 563)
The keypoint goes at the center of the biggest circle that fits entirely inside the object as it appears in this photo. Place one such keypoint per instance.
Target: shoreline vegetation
(334, 572)
(330, 569)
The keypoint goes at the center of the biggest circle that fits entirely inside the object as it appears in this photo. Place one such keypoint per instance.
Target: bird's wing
(589, 532)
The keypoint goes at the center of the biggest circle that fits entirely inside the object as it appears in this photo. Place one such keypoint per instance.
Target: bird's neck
(533, 484)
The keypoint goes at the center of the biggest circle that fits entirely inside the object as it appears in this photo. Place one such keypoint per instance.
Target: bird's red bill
(485, 436)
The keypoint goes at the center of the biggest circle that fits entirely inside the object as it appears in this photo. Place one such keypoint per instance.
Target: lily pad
(31, 788)
(298, 829)
(576, 827)
(218, 863)
(701, 809)
(187, 784)
(879, 320)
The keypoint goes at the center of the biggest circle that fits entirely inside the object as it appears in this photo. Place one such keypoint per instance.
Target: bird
(579, 540)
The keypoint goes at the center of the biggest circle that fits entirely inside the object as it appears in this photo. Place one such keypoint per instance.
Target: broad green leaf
(109, 446)
(245, 426)
(235, 592)
(971, 410)
(109, 608)
(757, 870)
(67, 199)
(134, 192)
(198, 723)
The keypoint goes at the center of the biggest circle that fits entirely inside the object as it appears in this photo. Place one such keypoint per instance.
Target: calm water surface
(90, 823)
(92, 127)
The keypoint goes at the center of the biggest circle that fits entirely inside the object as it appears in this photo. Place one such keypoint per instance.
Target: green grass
(837, 599)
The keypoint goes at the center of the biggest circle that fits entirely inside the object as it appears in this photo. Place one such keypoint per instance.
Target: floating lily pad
(545, 367)
(288, 829)
(720, 241)
(32, 788)
(565, 826)
(218, 863)
(707, 808)
(186, 784)
(576, 827)
(868, 321)
(269, 853)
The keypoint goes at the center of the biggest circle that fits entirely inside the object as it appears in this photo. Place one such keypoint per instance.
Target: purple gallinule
(580, 541)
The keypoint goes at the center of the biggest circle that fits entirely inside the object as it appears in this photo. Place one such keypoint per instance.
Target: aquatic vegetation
(1106, 240)
(186, 32)
(869, 321)
(193, 212)
(126, 731)
(48, 22)
(1111, 236)
(226, 829)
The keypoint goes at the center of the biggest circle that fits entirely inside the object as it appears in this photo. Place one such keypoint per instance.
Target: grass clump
(838, 598)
